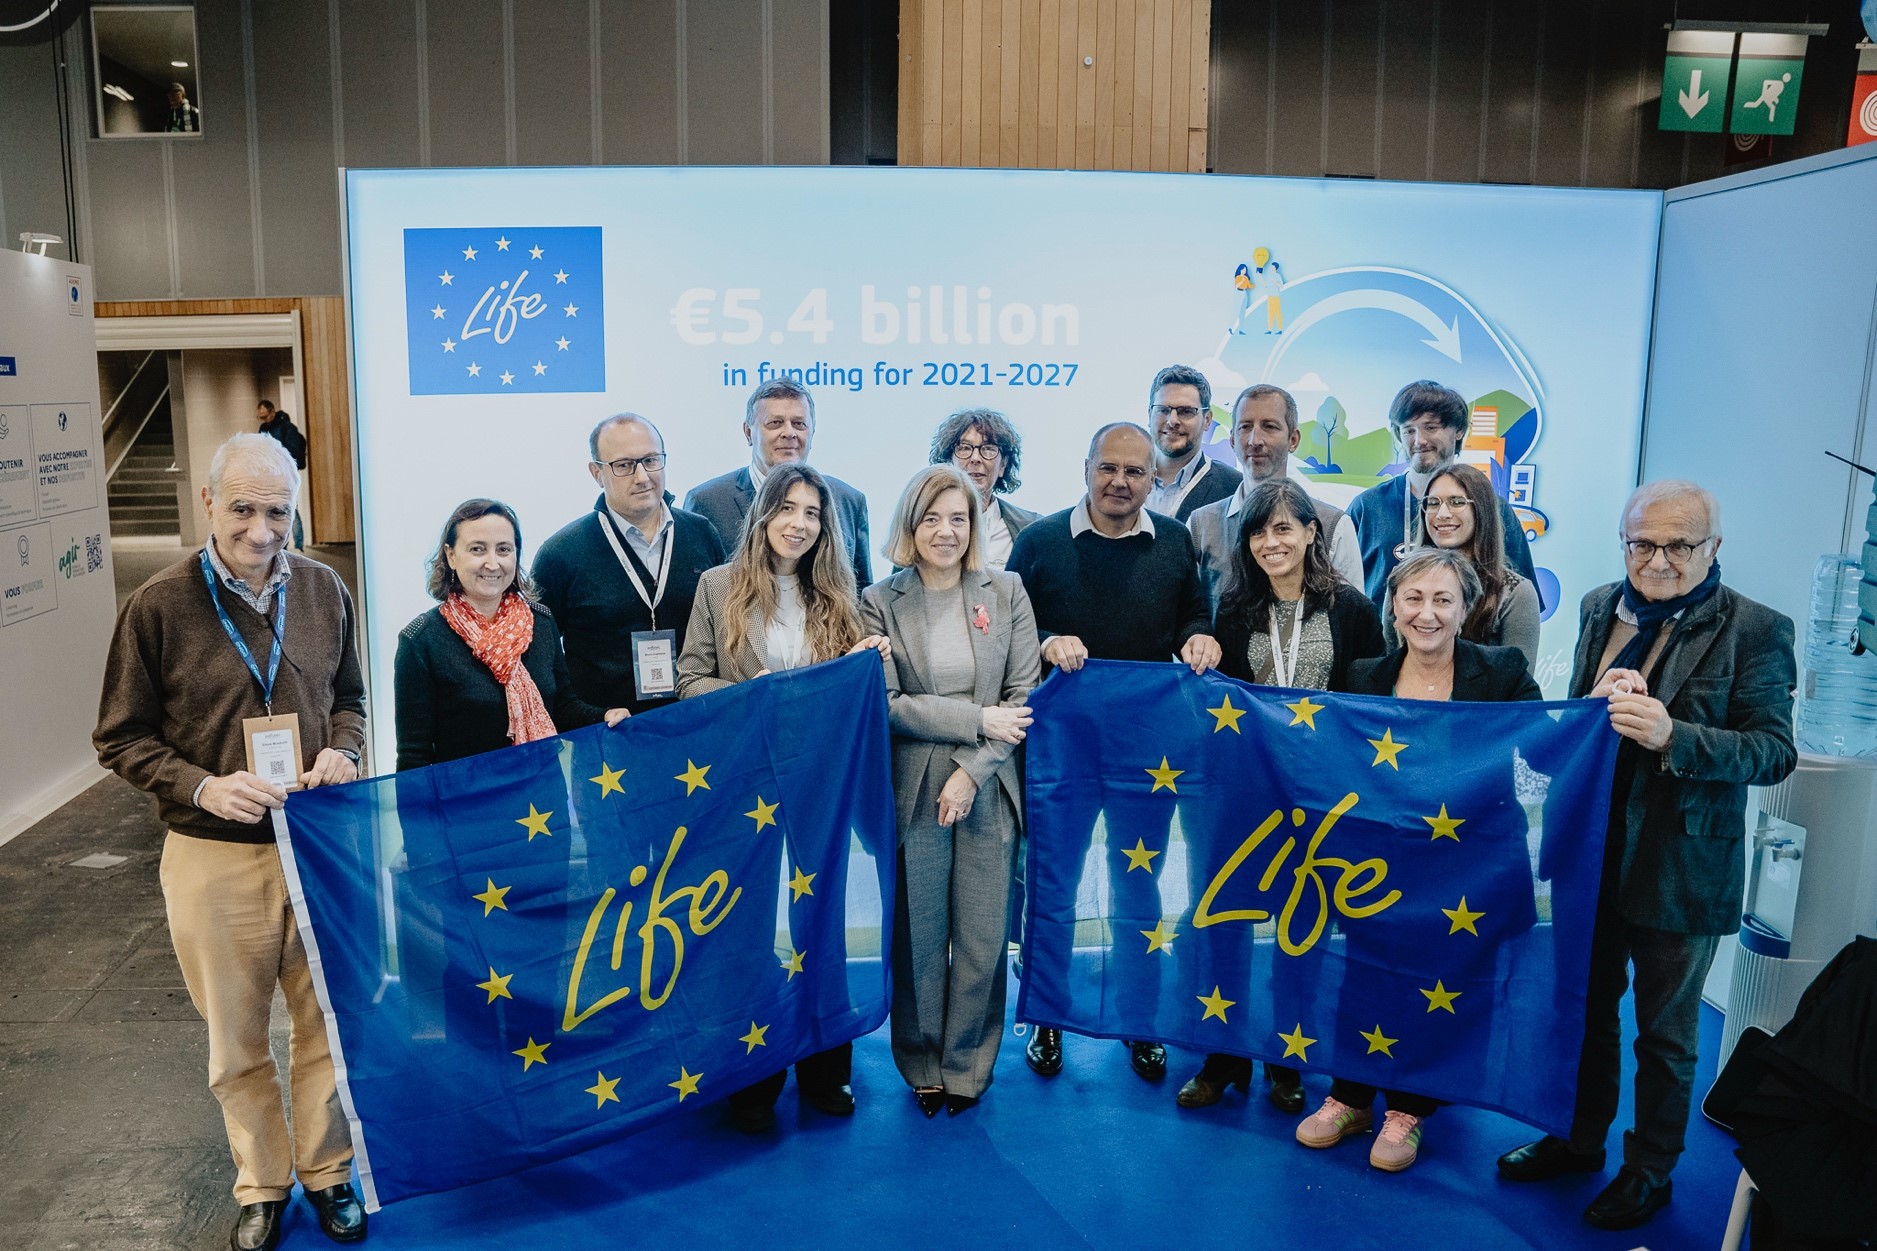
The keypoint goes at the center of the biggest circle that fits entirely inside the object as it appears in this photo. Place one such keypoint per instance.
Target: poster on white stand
(57, 598)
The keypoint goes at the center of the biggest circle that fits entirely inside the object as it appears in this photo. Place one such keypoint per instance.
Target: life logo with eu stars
(505, 310)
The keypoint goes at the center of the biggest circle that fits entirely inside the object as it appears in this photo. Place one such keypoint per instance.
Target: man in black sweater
(621, 579)
(1110, 580)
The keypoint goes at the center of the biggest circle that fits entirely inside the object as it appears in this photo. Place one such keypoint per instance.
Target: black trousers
(833, 1067)
(1669, 972)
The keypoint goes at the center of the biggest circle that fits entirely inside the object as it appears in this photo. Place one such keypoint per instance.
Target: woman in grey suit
(987, 450)
(964, 659)
(785, 600)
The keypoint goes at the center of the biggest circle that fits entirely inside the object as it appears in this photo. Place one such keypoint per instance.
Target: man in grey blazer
(779, 426)
(1699, 680)
(1265, 431)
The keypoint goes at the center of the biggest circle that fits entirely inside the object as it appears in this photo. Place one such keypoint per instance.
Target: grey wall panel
(1298, 148)
(724, 82)
(130, 219)
(1559, 140)
(1355, 55)
(378, 66)
(1510, 88)
(298, 162)
(639, 122)
(1613, 118)
(467, 92)
(1240, 103)
(553, 82)
(214, 205)
(1460, 51)
(1407, 88)
(798, 91)
(32, 180)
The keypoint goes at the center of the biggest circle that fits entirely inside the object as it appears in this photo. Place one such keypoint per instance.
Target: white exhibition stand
(57, 601)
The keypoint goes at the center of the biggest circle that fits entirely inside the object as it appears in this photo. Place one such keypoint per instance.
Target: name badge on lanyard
(654, 651)
(273, 742)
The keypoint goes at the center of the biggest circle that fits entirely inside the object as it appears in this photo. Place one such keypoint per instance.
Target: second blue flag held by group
(529, 953)
(1395, 892)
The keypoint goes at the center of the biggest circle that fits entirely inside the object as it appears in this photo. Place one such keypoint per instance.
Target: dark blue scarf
(1652, 613)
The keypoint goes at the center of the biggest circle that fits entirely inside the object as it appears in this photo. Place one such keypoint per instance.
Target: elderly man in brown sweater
(240, 630)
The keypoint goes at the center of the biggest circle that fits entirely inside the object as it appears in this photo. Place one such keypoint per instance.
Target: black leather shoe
(257, 1228)
(1209, 1085)
(1149, 1059)
(954, 1104)
(341, 1215)
(1044, 1052)
(929, 1098)
(1628, 1201)
(1547, 1158)
(1286, 1093)
(752, 1118)
(831, 1100)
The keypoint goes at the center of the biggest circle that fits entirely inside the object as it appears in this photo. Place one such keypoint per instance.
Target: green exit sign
(1766, 84)
(1694, 81)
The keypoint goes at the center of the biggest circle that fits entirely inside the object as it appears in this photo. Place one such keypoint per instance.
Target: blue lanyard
(241, 645)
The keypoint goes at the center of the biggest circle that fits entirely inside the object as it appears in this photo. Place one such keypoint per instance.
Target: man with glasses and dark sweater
(621, 579)
(1111, 580)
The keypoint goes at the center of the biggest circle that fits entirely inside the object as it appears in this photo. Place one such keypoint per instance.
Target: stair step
(122, 529)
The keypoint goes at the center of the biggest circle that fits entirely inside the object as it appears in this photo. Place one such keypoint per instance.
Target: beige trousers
(235, 938)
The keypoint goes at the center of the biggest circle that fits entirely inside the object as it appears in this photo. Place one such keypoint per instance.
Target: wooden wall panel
(1055, 84)
(325, 393)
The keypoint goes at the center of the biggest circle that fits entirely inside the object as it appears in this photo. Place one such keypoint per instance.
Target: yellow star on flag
(686, 1083)
(536, 822)
(1225, 717)
(1379, 1041)
(793, 964)
(497, 985)
(801, 883)
(765, 814)
(1304, 712)
(602, 1090)
(1164, 776)
(493, 897)
(534, 1053)
(1160, 938)
(757, 1037)
(1462, 918)
(1441, 997)
(608, 780)
(1216, 1004)
(1139, 857)
(1386, 748)
(693, 776)
(1296, 1044)
(1444, 825)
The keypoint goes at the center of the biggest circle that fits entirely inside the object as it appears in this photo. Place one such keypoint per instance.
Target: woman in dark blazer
(1430, 593)
(964, 661)
(1285, 618)
(484, 668)
(983, 446)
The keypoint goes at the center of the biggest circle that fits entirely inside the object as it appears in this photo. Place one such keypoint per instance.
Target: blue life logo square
(505, 310)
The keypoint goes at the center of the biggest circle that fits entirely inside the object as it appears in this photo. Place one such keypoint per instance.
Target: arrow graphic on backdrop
(1693, 99)
(1445, 337)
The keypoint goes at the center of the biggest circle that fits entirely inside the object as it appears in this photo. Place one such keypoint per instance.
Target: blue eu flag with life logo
(532, 952)
(1396, 892)
(505, 310)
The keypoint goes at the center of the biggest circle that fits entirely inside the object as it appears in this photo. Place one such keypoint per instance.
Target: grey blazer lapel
(756, 632)
(1592, 641)
(1695, 634)
(979, 589)
(905, 607)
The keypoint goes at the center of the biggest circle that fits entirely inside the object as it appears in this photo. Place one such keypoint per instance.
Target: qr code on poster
(94, 553)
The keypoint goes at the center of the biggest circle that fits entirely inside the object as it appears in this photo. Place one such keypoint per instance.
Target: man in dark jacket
(1699, 680)
(277, 424)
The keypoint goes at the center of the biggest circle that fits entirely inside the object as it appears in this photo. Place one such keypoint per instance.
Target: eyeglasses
(986, 452)
(1452, 503)
(626, 466)
(1185, 412)
(1642, 551)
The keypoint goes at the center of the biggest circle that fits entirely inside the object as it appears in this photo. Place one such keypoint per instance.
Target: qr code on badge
(94, 553)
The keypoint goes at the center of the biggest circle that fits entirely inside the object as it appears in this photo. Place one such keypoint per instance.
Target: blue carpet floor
(1095, 1158)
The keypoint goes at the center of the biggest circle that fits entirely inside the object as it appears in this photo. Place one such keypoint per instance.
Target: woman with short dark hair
(483, 670)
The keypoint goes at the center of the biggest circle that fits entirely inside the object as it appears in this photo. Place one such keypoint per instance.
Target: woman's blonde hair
(827, 580)
(917, 500)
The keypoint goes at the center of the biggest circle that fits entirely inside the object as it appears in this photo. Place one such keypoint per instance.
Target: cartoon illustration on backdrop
(1353, 335)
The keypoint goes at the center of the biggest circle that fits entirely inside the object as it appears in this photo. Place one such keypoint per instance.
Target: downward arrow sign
(1693, 99)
